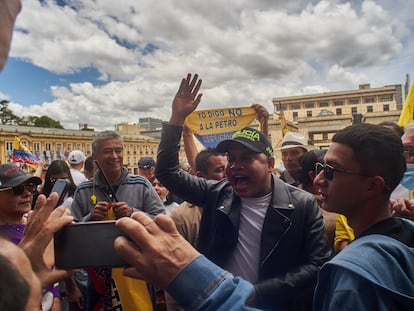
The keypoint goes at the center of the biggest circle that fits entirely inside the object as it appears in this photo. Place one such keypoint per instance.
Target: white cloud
(245, 51)
(348, 78)
(4, 96)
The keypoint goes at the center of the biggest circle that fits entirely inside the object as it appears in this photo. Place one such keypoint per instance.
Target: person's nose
(319, 179)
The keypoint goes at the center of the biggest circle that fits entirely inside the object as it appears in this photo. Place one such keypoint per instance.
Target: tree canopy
(8, 117)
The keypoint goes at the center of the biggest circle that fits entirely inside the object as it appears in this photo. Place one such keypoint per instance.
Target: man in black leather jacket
(253, 224)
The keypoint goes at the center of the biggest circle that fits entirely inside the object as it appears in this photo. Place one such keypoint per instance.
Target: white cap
(76, 157)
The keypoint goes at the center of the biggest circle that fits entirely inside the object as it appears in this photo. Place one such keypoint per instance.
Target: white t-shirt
(170, 207)
(77, 176)
(244, 261)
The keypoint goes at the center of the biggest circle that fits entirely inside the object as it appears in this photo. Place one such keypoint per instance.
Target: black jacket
(293, 240)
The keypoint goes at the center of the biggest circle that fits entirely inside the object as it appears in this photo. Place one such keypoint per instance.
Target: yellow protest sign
(211, 126)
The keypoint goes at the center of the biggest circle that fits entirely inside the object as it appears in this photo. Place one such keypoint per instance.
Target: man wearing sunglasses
(363, 165)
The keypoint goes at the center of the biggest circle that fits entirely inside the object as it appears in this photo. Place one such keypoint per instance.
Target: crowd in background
(333, 232)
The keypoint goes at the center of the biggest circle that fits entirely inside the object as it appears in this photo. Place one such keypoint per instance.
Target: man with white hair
(292, 149)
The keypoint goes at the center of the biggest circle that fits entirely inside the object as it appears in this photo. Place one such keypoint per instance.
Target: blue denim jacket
(202, 285)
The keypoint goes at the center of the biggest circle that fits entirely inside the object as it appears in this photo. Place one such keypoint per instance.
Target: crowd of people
(333, 232)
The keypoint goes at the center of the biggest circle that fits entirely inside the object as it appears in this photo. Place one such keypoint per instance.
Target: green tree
(7, 116)
(43, 121)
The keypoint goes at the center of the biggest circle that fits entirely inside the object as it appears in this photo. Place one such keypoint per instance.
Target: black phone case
(87, 245)
(61, 186)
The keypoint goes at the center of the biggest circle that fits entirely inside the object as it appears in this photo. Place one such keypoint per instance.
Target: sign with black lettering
(214, 125)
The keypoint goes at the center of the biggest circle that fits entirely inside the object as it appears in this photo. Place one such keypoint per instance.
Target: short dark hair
(202, 160)
(307, 164)
(14, 289)
(399, 130)
(378, 150)
(88, 165)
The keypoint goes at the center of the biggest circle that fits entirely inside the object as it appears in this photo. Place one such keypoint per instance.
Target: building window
(280, 107)
(386, 107)
(78, 146)
(59, 147)
(309, 105)
(387, 98)
(309, 113)
(88, 149)
(69, 147)
(323, 104)
(48, 146)
(325, 136)
(9, 146)
(354, 110)
(338, 111)
(295, 107)
(353, 101)
(9, 149)
(295, 115)
(368, 100)
(370, 109)
(338, 102)
(36, 146)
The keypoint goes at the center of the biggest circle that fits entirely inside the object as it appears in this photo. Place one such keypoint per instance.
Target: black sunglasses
(328, 171)
(19, 190)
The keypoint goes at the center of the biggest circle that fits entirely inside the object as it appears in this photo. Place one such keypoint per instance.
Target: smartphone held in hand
(61, 187)
(87, 245)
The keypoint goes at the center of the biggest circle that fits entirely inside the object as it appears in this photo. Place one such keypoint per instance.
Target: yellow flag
(407, 113)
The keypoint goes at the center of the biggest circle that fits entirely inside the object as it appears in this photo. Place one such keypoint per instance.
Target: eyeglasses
(328, 171)
(19, 190)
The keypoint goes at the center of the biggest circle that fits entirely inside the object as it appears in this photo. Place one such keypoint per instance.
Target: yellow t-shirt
(343, 232)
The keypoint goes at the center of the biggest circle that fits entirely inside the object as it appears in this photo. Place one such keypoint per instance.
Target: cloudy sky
(104, 62)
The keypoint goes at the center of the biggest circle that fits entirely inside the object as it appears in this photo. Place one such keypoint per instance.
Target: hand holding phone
(87, 245)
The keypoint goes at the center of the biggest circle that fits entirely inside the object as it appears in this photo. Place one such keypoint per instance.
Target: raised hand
(40, 228)
(186, 100)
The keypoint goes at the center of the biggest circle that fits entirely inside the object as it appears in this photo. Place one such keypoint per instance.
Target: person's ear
(271, 162)
(377, 185)
(311, 175)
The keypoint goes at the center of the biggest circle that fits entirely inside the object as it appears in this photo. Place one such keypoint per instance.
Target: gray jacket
(137, 191)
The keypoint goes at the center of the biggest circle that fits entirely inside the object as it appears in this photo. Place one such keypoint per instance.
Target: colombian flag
(22, 154)
(407, 113)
